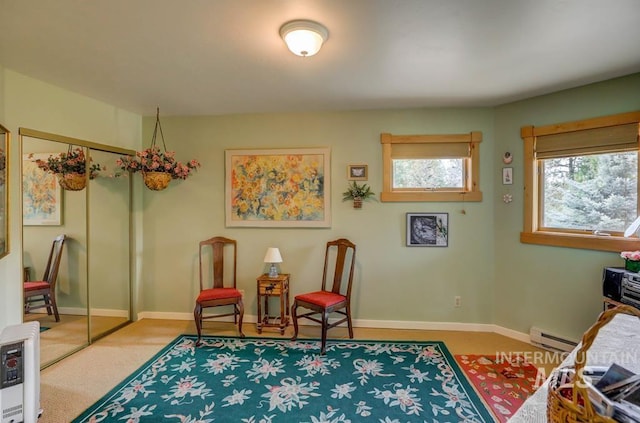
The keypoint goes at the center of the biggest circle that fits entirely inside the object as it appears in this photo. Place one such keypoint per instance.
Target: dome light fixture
(304, 38)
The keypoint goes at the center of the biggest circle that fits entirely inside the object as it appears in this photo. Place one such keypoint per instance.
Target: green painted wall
(393, 282)
(557, 289)
(500, 280)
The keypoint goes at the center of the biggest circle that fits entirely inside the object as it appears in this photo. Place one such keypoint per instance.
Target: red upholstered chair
(340, 256)
(42, 293)
(215, 293)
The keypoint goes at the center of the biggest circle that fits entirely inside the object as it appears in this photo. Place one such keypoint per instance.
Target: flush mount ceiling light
(304, 38)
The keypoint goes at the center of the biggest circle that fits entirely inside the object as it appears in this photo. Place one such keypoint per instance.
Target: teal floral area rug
(264, 380)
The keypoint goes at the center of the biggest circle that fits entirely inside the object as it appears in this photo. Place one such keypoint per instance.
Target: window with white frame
(431, 167)
(581, 182)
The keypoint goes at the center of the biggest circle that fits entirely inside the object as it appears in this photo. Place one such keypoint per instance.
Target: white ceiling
(205, 57)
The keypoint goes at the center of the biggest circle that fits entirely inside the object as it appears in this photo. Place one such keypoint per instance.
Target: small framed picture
(507, 175)
(357, 172)
(427, 229)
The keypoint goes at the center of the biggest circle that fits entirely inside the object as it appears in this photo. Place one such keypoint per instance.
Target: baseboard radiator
(20, 373)
(549, 341)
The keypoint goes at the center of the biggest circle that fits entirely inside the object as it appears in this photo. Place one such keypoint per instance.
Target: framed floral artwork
(41, 194)
(278, 187)
(427, 229)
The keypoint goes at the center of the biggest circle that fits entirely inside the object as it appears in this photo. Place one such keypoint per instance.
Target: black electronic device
(630, 293)
(612, 282)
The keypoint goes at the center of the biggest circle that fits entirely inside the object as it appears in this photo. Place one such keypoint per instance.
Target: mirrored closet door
(109, 254)
(92, 289)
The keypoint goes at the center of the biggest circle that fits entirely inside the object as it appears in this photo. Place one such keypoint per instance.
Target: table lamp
(273, 256)
(633, 228)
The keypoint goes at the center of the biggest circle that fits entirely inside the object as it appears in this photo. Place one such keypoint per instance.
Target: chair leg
(325, 326)
(197, 316)
(47, 302)
(349, 324)
(240, 307)
(294, 318)
(54, 306)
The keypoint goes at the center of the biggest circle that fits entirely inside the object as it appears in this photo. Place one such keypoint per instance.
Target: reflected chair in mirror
(216, 290)
(340, 257)
(42, 293)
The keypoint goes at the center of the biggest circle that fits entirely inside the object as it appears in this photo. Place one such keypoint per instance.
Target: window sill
(431, 196)
(586, 242)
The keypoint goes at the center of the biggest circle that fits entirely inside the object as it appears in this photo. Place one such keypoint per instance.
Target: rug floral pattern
(273, 380)
(503, 384)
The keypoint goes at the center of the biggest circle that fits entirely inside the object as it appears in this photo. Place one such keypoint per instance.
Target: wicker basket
(157, 181)
(72, 181)
(579, 408)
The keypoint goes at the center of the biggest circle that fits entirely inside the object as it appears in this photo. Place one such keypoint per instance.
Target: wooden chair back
(216, 267)
(339, 259)
(53, 262)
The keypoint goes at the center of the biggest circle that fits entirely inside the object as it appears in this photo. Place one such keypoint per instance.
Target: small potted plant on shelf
(357, 193)
(631, 260)
(70, 168)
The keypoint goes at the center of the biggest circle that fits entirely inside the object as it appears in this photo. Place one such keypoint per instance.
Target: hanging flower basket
(156, 181)
(69, 168)
(158, 166)
(72, 181)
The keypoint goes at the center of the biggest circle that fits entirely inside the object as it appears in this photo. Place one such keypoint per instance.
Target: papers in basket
(613, 392)
(617, 394)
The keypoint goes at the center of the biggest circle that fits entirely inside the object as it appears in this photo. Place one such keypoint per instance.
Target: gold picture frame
(5, 136)
(357, 172)
(278, 187)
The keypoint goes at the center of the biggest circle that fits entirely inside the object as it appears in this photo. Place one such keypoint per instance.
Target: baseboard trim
(513, 334)
(365, 323)
(78, 311)
(401, 324)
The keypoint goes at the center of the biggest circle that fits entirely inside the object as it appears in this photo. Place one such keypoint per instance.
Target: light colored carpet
(73, 384)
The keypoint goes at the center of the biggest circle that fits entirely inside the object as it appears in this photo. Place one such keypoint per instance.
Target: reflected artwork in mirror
(93, 286)
(40, 227)
(4, 198)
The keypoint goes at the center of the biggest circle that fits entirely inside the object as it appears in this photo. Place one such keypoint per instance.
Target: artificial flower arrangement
(357, 193)
(157, 166)
(631, 260)
(70, 168)
(630, 255)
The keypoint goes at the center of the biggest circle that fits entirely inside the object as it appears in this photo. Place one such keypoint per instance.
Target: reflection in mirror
(4, 227)
(109, 293)
(50, 211)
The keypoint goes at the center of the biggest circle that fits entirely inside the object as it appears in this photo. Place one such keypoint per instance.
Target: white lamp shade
(273, 256)
(633, 228)
(304, 38)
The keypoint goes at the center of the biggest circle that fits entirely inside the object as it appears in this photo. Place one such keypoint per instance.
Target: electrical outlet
(457, 301)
